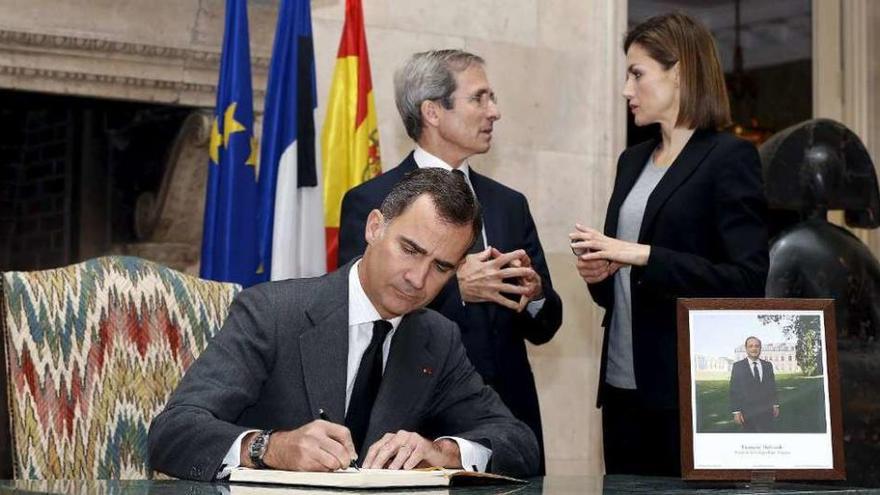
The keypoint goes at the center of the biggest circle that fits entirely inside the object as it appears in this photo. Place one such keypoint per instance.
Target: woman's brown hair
(676, 37)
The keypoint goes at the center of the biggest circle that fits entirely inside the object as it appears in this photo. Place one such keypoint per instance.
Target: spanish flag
(350, 139)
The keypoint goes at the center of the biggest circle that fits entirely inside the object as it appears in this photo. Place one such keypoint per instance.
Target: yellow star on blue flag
(229, 243)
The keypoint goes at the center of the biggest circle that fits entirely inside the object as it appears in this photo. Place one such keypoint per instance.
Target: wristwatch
(258, 449)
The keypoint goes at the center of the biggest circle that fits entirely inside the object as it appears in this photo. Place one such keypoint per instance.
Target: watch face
(258, 447)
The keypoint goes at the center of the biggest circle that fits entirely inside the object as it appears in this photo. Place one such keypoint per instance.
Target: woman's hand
(595, 271)
(602, 247)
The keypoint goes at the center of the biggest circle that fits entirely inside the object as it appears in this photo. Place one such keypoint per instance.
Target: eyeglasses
(480, 99)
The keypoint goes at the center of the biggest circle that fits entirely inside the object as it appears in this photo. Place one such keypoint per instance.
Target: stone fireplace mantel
(106, 68)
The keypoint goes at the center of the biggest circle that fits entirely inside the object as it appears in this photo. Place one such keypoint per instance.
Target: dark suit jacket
(493, 335)
(748, 396)
(282, 355)
(706, 225)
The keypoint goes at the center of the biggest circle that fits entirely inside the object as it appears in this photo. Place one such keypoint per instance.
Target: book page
(346, 478)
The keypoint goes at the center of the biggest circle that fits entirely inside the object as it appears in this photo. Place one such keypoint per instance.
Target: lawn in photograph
(797, 394)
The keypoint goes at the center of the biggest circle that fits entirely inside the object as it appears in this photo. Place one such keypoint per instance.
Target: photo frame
(759, 390)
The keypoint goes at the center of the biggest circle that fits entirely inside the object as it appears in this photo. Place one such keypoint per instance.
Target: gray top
(619, 372)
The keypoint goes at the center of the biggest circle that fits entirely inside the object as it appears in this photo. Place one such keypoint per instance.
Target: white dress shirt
(426, 160)
(752, 363)
(361, 315)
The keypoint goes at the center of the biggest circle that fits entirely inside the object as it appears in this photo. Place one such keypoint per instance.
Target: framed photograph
(759, 389)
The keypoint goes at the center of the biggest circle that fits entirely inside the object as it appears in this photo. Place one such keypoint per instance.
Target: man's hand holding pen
(325, 446)
(316, 446)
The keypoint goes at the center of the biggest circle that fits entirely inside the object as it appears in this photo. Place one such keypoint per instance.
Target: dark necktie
(755, 371)
(366, 385)
(478, 245)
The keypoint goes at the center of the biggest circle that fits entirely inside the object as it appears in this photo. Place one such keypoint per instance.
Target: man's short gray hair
(428, 76)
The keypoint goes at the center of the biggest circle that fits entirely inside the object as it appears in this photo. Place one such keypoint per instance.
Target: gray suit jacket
(282, 355)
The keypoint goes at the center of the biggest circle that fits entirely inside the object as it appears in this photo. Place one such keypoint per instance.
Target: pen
(323, 415)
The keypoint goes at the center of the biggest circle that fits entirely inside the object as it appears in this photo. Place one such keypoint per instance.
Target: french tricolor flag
(291, 212)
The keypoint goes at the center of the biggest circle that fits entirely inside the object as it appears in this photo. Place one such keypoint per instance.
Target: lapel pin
(427, 371)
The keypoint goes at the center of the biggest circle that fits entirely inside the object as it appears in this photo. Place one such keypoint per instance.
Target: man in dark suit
(753, 390)
(354, 347)
(449, 109)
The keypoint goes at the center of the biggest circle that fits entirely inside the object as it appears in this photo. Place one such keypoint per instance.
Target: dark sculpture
(809, 169)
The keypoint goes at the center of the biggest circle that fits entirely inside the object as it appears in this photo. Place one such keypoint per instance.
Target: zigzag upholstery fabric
(93, 351)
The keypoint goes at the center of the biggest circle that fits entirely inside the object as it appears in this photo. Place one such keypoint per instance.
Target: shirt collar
(360, 308)
(426, 160)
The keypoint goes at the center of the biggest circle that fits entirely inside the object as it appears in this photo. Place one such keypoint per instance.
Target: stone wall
(42, 192)
(872, 140)
(10, 168)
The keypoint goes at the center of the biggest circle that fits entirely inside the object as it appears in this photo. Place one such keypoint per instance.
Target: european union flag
(229, 242)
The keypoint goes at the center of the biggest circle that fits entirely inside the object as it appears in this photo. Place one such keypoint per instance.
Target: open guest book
(370, 478)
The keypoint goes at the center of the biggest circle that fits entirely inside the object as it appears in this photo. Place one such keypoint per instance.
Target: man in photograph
(753, 390)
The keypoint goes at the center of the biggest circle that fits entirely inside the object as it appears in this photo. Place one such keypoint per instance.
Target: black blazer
(706, 225)
(748, 396)
(492, 335)
(282, 355)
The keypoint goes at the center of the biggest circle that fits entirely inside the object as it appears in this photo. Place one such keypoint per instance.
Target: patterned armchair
(92, 352)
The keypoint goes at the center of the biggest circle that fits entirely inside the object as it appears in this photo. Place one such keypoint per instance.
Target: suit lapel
(688, 161)
(630, 169)
(324, 348)
(407, 377)
(406, 166)
(491, 222)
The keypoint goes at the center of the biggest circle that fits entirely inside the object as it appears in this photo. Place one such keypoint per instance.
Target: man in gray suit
(294, 355)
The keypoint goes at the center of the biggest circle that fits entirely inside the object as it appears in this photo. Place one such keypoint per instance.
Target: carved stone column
(168, 222)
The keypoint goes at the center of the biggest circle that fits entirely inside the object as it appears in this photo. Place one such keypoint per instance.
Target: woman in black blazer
(687, 218)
